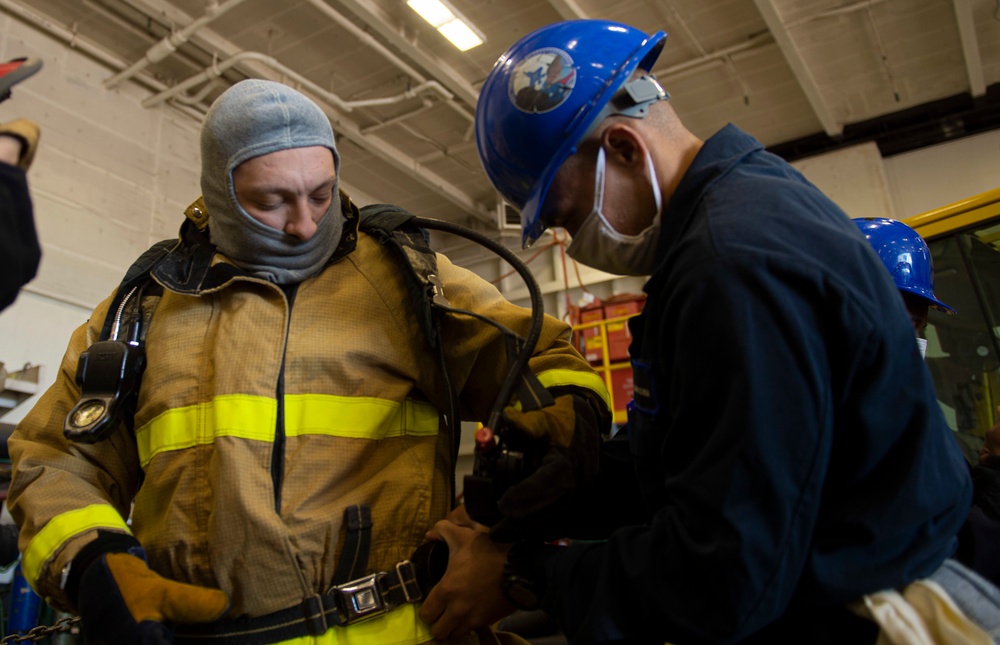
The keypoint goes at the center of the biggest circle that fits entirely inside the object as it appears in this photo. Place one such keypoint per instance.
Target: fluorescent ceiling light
(460, 35)
(433, 11)
(452, 25)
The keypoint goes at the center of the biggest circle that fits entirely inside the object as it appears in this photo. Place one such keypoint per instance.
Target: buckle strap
(354, 555)
(312, 617)
(377, 593)
(361, 599)
(315, 616)
(344, 604)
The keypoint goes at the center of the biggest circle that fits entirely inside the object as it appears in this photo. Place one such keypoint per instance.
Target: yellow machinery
(963, 350)
(613, 367)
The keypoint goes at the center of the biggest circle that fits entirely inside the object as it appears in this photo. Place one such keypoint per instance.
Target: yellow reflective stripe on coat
(401, 626)
(254, 418)
(588, 380)
(61, 528)
(358, 417)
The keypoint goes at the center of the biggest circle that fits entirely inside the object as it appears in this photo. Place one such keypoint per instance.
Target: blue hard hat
(905, 254)
(544, 95)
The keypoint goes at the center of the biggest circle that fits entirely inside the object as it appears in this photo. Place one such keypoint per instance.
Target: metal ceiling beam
(568, 9)
(755, 41)
(799, 67)
(346, 127)
(383, 24)
(970, 47)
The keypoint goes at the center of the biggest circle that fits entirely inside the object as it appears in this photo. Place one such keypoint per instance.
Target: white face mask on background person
(922, 346)
(599, 245)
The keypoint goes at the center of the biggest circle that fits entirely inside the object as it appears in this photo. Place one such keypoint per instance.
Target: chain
(36, 634)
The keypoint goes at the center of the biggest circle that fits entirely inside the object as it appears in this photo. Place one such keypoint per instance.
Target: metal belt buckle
(361, 599)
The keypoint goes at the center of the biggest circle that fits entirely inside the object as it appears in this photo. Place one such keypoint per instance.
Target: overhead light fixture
(442, 16)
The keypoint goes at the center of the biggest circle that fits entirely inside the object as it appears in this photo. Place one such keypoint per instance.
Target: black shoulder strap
(391, 226)
(136, 276)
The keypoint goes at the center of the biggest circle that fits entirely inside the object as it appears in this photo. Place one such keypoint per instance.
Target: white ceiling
(402, 99)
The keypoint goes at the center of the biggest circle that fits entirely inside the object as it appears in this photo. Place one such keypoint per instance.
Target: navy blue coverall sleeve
(765, 485)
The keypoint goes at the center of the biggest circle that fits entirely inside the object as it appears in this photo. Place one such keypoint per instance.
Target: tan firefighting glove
(121, 601)
(569, 435)
(28, 132)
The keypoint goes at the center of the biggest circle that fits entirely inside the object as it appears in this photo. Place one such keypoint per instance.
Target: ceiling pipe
(70, 38)
(389, 154)
(169, 44)
(377, 19)
(347, 128)
(399, 117)
(216, 70)
(105, 14)
(369, 40)
(199, 97)
(66, 35)
(408, 94)
(341, 123)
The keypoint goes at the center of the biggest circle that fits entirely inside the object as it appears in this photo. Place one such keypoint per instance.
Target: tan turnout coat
(337, 386)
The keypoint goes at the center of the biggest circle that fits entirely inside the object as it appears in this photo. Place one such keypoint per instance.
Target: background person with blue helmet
(905, 254)
(785, 455)
(907, 257)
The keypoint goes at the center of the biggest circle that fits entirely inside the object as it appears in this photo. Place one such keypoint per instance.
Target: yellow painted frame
(606, 366)
(953, 217)
(964, 214)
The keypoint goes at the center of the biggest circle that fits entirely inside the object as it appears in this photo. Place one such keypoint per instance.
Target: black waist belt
(344, 604)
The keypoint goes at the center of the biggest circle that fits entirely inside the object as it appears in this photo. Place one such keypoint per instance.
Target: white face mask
(922, 346)
(599, 245)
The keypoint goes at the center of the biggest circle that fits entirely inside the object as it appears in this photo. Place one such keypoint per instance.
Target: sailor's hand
(458, 515)
(469, 595)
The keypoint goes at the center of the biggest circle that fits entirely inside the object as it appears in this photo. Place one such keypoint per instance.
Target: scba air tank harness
(109, 374)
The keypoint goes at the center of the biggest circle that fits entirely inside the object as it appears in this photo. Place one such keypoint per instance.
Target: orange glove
(28, 132)
(121, 601)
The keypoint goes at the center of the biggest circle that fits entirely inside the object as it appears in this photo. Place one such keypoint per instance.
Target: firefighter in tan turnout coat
(288, 385)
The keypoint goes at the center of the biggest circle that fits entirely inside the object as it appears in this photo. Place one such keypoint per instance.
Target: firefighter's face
(289, 190)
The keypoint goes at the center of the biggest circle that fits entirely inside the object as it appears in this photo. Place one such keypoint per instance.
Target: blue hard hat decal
(903, 273)
(542, 81)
